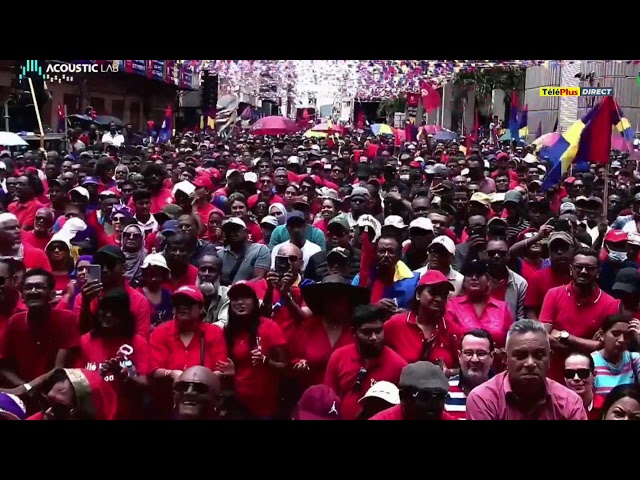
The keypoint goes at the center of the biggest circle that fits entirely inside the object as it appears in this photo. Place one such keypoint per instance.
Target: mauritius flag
(167, 126)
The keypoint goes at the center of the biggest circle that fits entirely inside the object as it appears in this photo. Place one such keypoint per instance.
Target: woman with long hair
(239, 208)
(133, 248)
(330, 207)
(331, 302)
(257, 355)
(113, 349)
(421, 333)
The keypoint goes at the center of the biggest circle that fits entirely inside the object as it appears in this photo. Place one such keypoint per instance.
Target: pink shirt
(460, 317)
(494, 400)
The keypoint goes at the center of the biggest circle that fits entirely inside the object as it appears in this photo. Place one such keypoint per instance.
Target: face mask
(617, 257)
(404, 177)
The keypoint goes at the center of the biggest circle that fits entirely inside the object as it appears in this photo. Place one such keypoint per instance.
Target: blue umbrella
(445, 136)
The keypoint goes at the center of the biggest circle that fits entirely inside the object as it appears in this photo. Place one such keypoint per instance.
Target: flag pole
(35, 105)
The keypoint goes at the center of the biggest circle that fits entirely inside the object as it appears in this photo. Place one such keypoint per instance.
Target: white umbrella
(9, 139)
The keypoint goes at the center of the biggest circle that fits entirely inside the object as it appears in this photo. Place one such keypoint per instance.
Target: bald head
(200, 374)
(289, 249)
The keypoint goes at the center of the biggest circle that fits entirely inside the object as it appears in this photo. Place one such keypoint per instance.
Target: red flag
(360, 120)
(430, 96)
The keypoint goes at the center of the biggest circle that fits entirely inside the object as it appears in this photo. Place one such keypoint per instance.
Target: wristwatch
(27, 387)
(563, 337)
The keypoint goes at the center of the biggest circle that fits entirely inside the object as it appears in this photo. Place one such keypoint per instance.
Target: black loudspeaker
(209, 91)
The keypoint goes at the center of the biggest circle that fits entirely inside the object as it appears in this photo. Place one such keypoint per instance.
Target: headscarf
(282, 218)
(210, 236)
(121, 210)
(134, 260)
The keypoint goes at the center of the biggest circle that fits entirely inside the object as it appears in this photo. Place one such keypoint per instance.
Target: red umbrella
(274, 125)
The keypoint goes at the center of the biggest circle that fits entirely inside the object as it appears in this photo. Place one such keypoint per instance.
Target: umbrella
(445, 136)
(323, 127)
(546, 140)
(432, 129)
(10, 139)
(312, 134)
(273, 125)
(506, 137)
(381, 129)
(107, 119)
(84, 118)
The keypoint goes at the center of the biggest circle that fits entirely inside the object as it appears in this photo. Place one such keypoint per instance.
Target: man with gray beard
(216, 302)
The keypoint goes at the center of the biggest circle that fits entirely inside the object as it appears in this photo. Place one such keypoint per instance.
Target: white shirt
(115, 140)
(150, 226)
(308, 250)
(455, 278)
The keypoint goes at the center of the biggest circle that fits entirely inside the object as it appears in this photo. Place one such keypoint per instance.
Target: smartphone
(281, 265)
(95, 273)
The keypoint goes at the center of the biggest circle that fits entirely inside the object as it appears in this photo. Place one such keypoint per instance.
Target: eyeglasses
(481, 354)
(362, 373)
(131, 235)
(500, 253)
(197, 387)
(583, 373)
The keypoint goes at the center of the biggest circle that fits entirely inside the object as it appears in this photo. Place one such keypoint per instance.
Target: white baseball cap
(446, 242)
(184, 187)
(293, 159)
(269, 220)
(155, 260)
(395, 221)
(82, 191)
(235, 221)
(229, 172)
(386, 391)
(251, 177)
(422, 223)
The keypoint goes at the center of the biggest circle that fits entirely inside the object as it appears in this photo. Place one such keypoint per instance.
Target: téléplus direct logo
(63, 72)
(576, 91)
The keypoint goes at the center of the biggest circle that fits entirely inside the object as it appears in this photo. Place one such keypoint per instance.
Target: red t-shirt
(310, 342)
(343, 369)
(257, 387)
(541, 282)
(34, 348)
(95, 350)
(395, 413)
(158, 201)
(34, 258)
(561, 310)
(403, 336)
(189, 278)
(31, 239)
(25, 212)
(140, 309)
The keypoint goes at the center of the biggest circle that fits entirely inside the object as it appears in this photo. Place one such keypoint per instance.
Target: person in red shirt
(579, 374)
(239, 209)
(257, 354)
(177, 255)
(28, 188)
(78, 394)
(561, 250)
(113, 261)
(318, 402)
(316, 338)
(181, 343)
(154, 176)
(265, 193)
(102, 350)
(59, 254)
(574, 313)
(41, 234)
(203, 193)
(38, 340)
(352, 369)
(9, 293)
(423, 392)
(420, 334)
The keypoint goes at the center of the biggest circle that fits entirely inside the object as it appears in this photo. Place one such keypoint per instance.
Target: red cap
(318, 402)
(570, 180)
(214, 173)
(415, 165)
(502, 155)
(434, 277)
(190, 291)
(203, 181)
(616, 236)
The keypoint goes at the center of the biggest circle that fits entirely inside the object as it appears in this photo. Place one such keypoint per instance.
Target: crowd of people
(315, 279)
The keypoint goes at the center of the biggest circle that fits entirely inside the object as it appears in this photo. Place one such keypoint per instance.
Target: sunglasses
(183, 387)
(583, 373)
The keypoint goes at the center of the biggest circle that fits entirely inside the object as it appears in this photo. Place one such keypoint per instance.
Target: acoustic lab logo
(63, 72)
